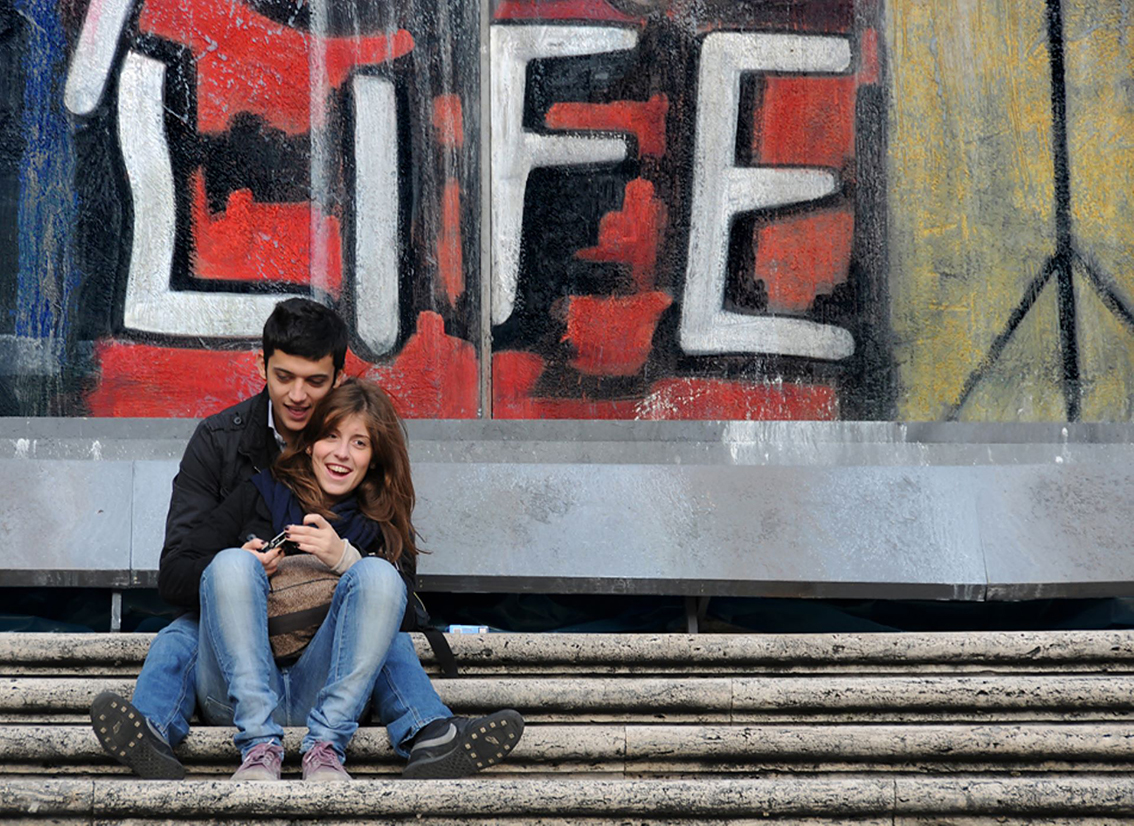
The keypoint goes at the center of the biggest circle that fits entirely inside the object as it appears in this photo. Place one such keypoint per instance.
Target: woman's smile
(342, 456)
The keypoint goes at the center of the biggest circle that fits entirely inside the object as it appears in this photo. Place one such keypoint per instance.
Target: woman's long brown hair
(385, 494)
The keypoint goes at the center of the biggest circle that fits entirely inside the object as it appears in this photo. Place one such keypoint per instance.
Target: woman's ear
(308, 450)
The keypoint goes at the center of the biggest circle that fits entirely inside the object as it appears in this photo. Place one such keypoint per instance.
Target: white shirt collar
(280, 440)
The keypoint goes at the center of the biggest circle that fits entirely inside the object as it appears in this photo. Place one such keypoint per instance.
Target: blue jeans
(330, 685)
(166, 692)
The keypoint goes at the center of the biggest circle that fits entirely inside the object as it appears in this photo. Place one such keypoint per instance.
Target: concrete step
(516, 654)
(905, 799)
(646, 750)
(906, 729)
(1015, 697)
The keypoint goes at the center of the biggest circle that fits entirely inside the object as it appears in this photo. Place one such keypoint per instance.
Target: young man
(304, 349)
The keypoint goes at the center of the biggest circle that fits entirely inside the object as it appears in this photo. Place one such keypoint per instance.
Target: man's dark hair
(305, 328)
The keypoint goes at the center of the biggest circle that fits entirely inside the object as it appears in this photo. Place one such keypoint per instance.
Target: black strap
(441, 651)
(297, 620)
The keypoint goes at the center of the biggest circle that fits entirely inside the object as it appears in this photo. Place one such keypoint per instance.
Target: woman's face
(341, 458)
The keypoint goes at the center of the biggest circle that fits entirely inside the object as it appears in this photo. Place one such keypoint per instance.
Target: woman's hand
(270, 560)
(316, 536)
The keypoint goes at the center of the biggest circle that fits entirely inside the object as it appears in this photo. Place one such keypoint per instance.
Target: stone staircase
(973, 729)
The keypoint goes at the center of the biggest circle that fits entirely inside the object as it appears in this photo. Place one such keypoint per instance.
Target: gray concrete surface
(778, 509)
(702, 699)
(563, 800)
(644, 750)
(548, 654)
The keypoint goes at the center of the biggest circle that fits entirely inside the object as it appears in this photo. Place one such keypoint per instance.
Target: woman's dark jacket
(244, 512)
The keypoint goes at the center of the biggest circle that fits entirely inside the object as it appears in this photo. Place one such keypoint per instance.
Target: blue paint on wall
(47, 206)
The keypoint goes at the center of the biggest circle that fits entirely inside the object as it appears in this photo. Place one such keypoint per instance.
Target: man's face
(295, 384)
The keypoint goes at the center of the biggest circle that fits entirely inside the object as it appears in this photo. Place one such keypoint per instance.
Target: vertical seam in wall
(484, 148)
(133, 495)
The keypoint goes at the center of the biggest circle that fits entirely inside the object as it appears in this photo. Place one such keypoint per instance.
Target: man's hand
(270, 559)
(316, 536)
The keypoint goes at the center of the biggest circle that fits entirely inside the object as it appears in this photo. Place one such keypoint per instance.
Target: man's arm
(196, 488)
(225, 526)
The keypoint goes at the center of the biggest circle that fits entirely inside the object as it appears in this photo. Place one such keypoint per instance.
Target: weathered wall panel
(186, 164)
(972, 205)
(687, 211)
(752, 209)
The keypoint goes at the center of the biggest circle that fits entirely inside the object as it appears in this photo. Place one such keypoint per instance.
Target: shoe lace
(322, 755)
(265, 754)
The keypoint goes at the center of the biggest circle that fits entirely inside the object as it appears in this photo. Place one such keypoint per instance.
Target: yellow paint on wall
(970, 202)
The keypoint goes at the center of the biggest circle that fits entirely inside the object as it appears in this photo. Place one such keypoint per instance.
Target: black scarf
(351, 525)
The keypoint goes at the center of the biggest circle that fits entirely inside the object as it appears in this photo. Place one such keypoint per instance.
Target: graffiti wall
(631, 209)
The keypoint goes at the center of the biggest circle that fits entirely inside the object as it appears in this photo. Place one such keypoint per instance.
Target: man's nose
(297, 391)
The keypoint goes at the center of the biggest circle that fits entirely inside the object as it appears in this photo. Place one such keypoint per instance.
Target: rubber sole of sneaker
(477, 747)
(124, 734)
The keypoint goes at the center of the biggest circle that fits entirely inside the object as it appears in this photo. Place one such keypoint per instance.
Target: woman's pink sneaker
(321, 764)
(262, 763)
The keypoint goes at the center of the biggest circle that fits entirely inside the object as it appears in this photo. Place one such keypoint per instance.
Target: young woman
(343, 494)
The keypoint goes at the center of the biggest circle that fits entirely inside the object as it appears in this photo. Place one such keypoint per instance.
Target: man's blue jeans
(404, 699)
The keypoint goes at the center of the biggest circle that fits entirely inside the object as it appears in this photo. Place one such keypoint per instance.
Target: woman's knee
(375, 579)
(233, 569)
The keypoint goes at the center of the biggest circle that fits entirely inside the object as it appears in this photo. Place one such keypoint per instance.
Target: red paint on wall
(252, 241)
(612, 334)
(435, 376)
(802, 256)
(631, 235)
(806, 122)
(592, 11)
(644, 119)
(695, 398)
(514, 376)
(144, 380)
(868, 70)
(448, 120)
(450, 263)
(246, 62)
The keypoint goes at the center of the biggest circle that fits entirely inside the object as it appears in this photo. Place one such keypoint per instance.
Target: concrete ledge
(643, 750)
(805, 509)
(1002, 651)
(564, 800)
(732, 699)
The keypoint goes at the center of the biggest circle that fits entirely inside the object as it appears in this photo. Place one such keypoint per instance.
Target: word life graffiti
(230, 154)
(684, 212)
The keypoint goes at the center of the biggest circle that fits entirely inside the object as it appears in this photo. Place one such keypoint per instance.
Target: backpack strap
(441, 650)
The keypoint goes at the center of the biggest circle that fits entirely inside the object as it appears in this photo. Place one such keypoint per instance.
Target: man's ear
(340, 376)
(261, 365)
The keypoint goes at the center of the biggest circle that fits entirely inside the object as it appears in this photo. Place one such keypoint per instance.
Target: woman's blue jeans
(327, 689)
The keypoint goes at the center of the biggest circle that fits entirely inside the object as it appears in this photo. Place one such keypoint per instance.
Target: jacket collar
(257, 441)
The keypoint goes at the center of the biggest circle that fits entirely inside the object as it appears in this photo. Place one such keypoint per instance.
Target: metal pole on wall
(115, 611)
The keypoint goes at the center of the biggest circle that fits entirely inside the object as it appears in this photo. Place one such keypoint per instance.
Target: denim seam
(174, 712)
(217, 651)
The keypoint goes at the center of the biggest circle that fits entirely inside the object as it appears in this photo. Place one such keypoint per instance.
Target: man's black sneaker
(127, 736)
(458, 747)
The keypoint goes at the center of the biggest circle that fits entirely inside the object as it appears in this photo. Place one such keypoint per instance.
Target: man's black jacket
(226, 449)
